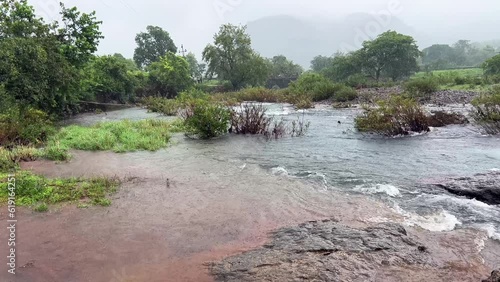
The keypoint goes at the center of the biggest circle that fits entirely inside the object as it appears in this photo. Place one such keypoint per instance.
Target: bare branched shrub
(251, 118)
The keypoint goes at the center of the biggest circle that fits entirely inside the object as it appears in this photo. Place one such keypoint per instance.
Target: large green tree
(170, 75)
(196, 69)
(342, 66)
(281, 67)
(439, 56)
(152, 45)
(391, 54)
(107, 78)
(232, 58)
(40, 61)
(492, 66)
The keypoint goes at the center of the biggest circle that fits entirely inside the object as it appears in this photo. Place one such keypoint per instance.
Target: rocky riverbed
(442, 97)
(483, 187)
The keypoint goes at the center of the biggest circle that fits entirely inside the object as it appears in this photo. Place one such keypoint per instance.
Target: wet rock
(495, 277)
(325, 251)
(442, 118)
(482, 187)
(444, 97)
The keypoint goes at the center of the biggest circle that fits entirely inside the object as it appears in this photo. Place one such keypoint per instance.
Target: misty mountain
(301, 39)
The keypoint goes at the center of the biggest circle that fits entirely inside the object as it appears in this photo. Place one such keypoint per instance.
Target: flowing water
(200, 201)
(395, 170)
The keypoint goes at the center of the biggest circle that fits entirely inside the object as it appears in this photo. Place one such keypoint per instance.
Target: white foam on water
(279, 171)
(491, 231)
(439, 222)
(388, 189)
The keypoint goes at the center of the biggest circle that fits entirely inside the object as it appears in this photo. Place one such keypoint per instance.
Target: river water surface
(203, 200)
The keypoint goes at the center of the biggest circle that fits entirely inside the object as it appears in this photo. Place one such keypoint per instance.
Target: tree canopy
(392, 54)
(281, 67)
(152, 45)
(170, 75)
(232, 58)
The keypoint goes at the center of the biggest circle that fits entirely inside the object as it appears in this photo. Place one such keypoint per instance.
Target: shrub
(421, 87)
(169, 107)
(492, 66)
(26, 127)
(345, 94)
(314, 85)
(252, 119)
(206, 120)
(486, 111)
(396, 116)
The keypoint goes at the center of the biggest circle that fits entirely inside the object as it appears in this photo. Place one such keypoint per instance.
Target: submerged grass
(39, 192)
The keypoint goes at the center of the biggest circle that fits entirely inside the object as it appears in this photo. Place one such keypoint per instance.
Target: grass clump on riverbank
(486, 111)
(38, 192)
(393, 117)
(122, 136)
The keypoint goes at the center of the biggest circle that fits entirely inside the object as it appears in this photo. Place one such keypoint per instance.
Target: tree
(281, 67)
(320, 63)
(170, 75)
(438, 56)
(391, 54)
(232, 58)
(196, 69)
(343, 66)
(107, 79)
(492, 66)
(39, 60)
(152, 45)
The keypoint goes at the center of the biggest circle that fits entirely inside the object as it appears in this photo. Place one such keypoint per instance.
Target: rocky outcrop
(495, 277)
(442, 118)
(325, 251)
(482, 187)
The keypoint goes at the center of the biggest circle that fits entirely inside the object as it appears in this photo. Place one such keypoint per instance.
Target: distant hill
(302, 39)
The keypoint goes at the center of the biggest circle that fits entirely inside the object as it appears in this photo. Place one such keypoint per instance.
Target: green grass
(475, 72)
(122, 136)
(39, 192)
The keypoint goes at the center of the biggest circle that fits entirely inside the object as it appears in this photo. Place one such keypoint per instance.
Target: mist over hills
(301, 39)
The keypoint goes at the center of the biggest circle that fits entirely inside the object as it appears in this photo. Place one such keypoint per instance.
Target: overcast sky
(194, 22)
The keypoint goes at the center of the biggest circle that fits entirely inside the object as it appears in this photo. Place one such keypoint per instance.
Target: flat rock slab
(326, 251)
(482, 187)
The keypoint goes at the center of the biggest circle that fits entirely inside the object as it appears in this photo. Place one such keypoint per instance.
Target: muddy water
(197, 202)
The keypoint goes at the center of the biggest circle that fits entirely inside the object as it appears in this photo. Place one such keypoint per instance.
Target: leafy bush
(421, 87)
(206, 120)
(492, 66)
(396, 116)
(169, 107)
(345, 94)
(486, 111)
(30, 126)
(314, 85)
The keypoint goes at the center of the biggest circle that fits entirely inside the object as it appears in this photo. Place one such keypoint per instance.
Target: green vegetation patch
(122, 136)
(38, 192)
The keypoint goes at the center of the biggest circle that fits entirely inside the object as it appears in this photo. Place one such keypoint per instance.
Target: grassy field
(459, 79)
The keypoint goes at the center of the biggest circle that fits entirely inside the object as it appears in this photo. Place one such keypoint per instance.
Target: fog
(194, 22)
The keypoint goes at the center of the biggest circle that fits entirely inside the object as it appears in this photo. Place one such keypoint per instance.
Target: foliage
(396, 116)
(344, 66)
(391, 54)
(486, 111)
(281, 67)
(462, 54)
(492, 66)
(122, 136)
(37, 190)
(345, 94)
(23, 127)
(314, 85)
(39, 60)
(319, 63)
(421, 87)
(170, 75)
(253, 94)
(205, 119)
(152, 45)
(107, 78)
(232, 58)
(169, 107)
(196, 69)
